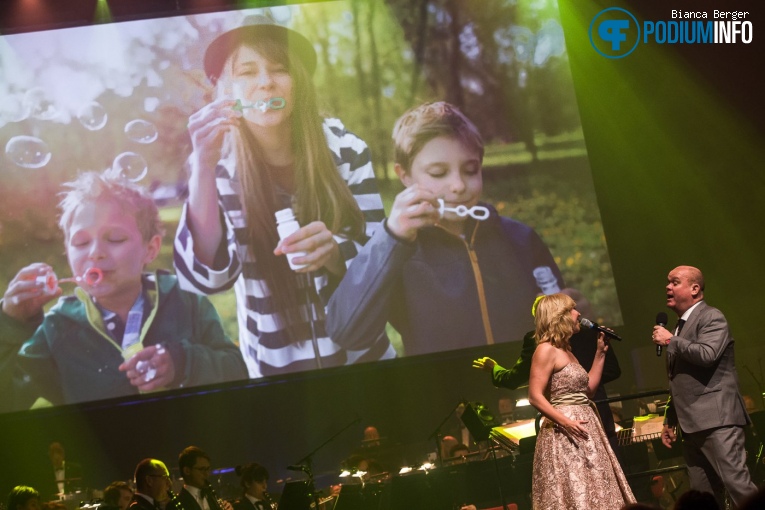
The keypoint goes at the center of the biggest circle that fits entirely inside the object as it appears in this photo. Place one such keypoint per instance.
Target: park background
(675, 140)
(119, 95)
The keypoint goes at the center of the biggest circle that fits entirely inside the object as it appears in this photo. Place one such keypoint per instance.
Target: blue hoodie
(442, 292)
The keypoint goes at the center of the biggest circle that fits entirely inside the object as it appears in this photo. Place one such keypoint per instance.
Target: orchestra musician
(67, 475)
(117, 496)
(254, 481)
(152, 485)
(197, 494)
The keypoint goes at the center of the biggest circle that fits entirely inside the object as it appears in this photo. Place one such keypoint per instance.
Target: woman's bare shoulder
(548, 354)
(546, 349)
(545, 352)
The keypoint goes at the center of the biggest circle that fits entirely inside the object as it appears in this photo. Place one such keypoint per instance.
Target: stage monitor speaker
(478, 420)
(296, 496)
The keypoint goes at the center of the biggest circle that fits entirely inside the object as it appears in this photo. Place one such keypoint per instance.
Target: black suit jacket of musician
(244, 503)
(189, 502)
(140, 503)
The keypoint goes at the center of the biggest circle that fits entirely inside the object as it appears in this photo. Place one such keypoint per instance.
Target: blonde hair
(112, 186)
(553, 320)
(421, 124)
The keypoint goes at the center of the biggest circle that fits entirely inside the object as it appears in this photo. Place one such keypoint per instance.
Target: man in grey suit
(704, 399)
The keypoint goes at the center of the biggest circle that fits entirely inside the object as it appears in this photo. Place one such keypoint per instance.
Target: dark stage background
(675, 140)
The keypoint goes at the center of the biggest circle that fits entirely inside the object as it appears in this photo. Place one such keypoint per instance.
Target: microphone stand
(761, 449)
(436, 434)
(312, 320)
(307, 461)
(499, 476)
(757, 381)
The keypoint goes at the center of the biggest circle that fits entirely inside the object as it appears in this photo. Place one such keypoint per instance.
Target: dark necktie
(670, 357)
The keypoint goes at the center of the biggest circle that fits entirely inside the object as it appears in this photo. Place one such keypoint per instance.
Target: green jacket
(67, 356)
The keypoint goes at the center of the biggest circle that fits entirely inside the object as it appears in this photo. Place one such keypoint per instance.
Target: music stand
(296, 496)
(436, 434)
(478, 420)
(351, 497)
(758, 420)
(306, 465)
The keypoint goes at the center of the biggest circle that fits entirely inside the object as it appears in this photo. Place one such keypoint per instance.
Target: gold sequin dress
(572, 476)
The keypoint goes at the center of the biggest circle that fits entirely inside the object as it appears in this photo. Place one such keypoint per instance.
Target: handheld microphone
(661, 320)
(587, 323)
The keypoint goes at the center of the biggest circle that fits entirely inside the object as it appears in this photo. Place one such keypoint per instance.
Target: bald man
(152, 485)
(705, 403)
(371, 437)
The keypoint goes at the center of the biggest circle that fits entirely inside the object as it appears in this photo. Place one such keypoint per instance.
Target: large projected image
(200, 199)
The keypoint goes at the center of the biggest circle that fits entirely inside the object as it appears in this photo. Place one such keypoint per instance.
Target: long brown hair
(320, 192)
(553, 320)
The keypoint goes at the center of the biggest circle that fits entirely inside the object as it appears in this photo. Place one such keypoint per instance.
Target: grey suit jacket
(703, 382)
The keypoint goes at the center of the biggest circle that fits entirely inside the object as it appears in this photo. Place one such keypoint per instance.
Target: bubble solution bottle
(546, 280)
(286, 224)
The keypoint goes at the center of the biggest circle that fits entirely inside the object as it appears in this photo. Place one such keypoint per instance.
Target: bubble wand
(92, 277)
(50, 281)
(274, 103)
(477, 212)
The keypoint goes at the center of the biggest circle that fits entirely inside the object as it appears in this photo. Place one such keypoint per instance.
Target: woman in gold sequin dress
(574, 466)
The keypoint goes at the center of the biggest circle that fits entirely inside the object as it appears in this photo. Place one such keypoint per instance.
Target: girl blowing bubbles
(260, 147)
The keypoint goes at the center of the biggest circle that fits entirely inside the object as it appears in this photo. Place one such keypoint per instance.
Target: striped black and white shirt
(263, 339)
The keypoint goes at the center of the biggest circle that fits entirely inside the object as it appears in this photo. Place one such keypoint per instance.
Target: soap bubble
(141, 131)
(92, 116)
(13, 109)
(150, 104)
(39, 104)
(27, 151)
(130, 165)
(93, 276)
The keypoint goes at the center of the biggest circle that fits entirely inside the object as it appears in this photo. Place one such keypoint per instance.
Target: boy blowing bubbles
(101, 234)
(113, 228)
(446, 167)
(443, 281)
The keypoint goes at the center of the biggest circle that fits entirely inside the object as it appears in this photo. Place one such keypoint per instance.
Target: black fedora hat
(256, 27)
